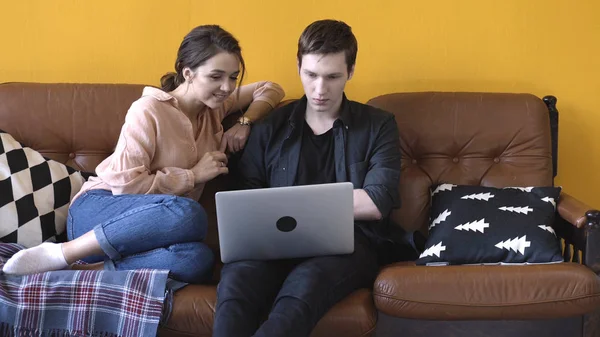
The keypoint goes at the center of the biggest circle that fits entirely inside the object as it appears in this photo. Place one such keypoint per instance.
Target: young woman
(141, 210)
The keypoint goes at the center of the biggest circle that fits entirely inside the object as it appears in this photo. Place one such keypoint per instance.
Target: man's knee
(324, 279)
(308, 283)
(239, 279)
(243, 269)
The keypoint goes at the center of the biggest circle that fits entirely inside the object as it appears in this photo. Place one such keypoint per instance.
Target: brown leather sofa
(494, 140)
(78, 124)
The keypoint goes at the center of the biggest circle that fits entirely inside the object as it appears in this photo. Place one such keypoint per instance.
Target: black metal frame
(550, 102)
(576, 239)
(582, 245)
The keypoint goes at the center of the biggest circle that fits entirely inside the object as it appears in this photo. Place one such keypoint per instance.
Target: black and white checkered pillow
(486, 225)
(35, 194)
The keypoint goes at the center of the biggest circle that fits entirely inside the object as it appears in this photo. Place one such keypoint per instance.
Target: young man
(321, 138)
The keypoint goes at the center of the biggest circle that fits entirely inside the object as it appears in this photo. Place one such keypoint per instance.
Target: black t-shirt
(317, 164)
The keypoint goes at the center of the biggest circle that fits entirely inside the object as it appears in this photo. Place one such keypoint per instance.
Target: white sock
(45, 257)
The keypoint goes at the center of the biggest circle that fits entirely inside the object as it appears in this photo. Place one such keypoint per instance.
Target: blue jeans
(292, 294)
(145, 231)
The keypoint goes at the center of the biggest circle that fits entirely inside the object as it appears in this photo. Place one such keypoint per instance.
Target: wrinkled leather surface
(354, 316)
(483, 139)
(486, 292)
(193, 312)
(76, 124)
(572, 210)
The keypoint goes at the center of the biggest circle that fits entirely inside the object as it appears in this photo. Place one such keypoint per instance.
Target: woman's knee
(78, 218)
(194, 262)
(193, 217)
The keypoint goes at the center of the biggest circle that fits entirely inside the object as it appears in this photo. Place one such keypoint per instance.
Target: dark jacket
(367, 153)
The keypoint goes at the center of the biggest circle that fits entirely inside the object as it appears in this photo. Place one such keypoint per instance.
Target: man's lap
(311, 277)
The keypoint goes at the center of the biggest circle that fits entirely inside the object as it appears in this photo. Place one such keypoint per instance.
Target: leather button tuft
(414, 161)
(496, 160)
(455, 160)
(71, 155)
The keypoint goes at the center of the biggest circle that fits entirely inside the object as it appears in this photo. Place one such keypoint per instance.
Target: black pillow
(486, 225)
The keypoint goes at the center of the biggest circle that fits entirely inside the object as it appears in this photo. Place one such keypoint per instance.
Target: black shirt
(316, 164)
(366, 152)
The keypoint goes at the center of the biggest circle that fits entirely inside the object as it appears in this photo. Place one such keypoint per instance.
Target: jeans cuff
(108, 249)
(109, 264)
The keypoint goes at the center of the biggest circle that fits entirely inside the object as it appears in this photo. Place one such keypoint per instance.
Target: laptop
(286, 222)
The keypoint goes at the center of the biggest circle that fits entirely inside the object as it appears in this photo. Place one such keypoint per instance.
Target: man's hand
(236, 137)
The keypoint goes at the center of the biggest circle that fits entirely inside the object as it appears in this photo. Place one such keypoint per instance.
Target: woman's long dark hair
(199, 45)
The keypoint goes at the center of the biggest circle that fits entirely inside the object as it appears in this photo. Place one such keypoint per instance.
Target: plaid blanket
(80, 303)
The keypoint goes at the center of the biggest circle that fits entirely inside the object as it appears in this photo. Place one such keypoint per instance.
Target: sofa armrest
(592, 249)
(573, 210)
(579, 225)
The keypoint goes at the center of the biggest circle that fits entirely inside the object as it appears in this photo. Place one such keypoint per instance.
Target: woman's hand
(210, 166)
(236, 137)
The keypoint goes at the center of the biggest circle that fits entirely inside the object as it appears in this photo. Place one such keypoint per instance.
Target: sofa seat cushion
(194, 307)
(486, 292)
(192, 312)
(354, 316)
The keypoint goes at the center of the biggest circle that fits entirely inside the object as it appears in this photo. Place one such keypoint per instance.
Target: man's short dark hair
(328, 37)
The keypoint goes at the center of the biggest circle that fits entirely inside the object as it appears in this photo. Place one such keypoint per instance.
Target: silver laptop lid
(286, 222)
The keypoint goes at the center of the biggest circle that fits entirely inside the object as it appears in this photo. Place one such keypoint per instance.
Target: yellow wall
(537, 46)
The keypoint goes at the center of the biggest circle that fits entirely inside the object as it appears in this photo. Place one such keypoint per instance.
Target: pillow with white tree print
(487, 225)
